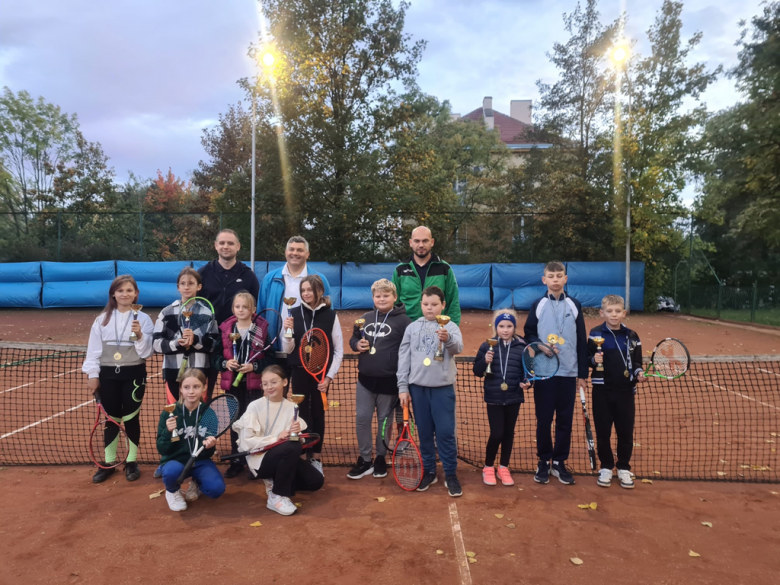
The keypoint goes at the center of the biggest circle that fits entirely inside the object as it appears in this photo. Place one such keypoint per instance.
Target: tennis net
(719, 422)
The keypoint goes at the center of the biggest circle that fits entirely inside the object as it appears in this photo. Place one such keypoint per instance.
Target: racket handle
(238, 379)
(185, 472)
(325, 405)
(582, 395)
(182, 369)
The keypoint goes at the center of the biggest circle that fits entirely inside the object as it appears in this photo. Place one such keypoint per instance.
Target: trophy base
(288, 335)
(174, 439)
(600, 369)
(438, 358)
(293, 437)
(133, 337)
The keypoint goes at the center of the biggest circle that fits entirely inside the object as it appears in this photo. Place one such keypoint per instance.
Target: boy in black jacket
(614, 388)
(377, 385)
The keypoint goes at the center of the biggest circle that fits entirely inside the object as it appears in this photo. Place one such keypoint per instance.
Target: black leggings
(502, 419)
(311, 409)
(290, 473)
(122, 400)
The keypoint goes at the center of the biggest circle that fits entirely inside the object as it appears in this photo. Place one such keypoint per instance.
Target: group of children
(401, 362)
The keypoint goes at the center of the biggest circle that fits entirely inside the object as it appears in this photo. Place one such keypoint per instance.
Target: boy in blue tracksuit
(557, 316)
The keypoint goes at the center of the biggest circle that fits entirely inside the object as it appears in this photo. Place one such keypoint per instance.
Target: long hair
(115, 285)
(192, 373)
(319, 290)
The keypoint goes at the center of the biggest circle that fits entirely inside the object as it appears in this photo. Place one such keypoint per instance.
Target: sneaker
(158, 472)
(176, 501)
(269, 485)
(626, 481)
(102, 475)
(193, 492)
(380, 466)
(428, 480)
(505, 476)
(131, 471)
(489, 475)
(234, 469)
(453, 486)
(559, 470)
(317, 464)
(362, 468)
(542, 474)
(605, 478)
(280, 504)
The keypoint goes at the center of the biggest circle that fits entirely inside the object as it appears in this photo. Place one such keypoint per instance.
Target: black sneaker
(131, 471)
(380, 466)
(427, 481)
(542, 474)
(102, 474)
(234, 469)
(453, 486)
(559, 470)
(362, 468)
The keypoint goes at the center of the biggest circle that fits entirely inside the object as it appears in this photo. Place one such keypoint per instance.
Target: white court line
(48, 418)
(460, 548)
(736, 393)
(765, 371)
(39, 381)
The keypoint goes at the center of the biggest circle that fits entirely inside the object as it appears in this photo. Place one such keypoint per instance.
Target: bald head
(421, 243)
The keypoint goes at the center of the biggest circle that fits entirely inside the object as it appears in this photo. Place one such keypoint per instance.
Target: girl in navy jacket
(504, 392)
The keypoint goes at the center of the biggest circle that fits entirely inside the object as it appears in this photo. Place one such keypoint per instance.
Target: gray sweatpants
(366, 403)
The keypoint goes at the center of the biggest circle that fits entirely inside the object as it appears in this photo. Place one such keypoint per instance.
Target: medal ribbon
(627, 358)
(504, 367)
(267, 417)
(558, 323)
(372, 344)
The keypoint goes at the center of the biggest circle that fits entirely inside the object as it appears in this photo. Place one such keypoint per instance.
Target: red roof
(510, 130)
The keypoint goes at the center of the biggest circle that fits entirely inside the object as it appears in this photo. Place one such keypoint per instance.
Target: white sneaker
(193, 492)
(317, 464)
(626, 481)
(605, 477)
(176, 501)
(269, 485)
(280, 504)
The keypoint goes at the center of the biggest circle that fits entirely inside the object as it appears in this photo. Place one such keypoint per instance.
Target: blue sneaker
(559, 470)
(158, 472)
(542, 474)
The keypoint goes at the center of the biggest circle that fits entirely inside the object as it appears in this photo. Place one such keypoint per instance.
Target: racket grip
(238, 379)
(185, 472)
(325, 405)
(182, 368)
(582, 395)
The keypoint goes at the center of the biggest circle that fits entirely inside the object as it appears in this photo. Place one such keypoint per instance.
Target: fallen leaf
(721, 473)
(472, 560)
(593, 505)
(3, 468)
(647, 481)
(576, 560)
(439, 552)
(693, 554)
(338, 438)
(583, 506)
(761, 468)
(769, 441)
(745, 466)
(773, 434)
(511, 554)
(499, 516)
(470, 554)
(298, 504)
(707, 524)
(656, 473)
(156, 494)
(381, 499)
(716, 423)
(334, 404)
(256, 524)
(510, 526)
(773, 493)
(723, 461)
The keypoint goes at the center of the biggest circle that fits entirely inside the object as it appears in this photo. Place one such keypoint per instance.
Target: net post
(754, 303)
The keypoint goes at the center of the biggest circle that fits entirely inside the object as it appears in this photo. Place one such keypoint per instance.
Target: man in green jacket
(423, 269)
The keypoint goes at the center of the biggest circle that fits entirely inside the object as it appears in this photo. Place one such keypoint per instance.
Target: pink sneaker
(489, 475)
(504, 476)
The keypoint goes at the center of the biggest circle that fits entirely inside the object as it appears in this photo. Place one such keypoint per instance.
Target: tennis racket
(307, 441)
(540, 362)
(392, 425)
(407, 462)
(196, 314)
(256, 336)
(670, 360)
(588, 432)
(315, 354)
(108, 440)
(221, 413)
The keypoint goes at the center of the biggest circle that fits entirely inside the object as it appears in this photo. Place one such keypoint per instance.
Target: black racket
(540, 362)
(670, 360)
(588, 432)
(196, 314)
(219, 416)
(307, 441)
(390, 427)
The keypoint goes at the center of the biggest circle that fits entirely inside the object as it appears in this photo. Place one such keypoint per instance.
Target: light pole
(268, 61)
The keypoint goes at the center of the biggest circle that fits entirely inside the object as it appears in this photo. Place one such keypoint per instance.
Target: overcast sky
(146, 76)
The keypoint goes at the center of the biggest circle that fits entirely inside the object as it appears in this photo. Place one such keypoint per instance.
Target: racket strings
(316, 359)
(220, 415)
(671, 359)
(407, 467)
(538, 362)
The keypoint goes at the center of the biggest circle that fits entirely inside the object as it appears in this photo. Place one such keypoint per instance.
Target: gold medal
(561, 341)
(307, 349)
(504, 386)
(117, 356)
(427, 362)
(372, 351)
(625, 373)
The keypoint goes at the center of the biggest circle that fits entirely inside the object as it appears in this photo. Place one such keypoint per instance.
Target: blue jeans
(434, 414)
(204, 472)
(554, 397)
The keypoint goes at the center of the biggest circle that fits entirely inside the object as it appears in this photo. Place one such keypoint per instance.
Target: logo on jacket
(383, 330)
(425, 340)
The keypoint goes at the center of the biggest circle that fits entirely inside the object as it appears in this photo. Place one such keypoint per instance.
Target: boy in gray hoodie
(431, 385)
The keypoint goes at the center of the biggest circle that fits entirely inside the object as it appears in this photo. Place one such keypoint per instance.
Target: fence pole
(141, 232)
(754, 303)
(720, 298)
(59, 234)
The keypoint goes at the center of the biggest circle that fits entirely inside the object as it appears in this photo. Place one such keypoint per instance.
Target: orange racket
(315, 355)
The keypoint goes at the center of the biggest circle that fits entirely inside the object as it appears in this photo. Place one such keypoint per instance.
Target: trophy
(598, 341)
(234, 337)
(186, 315)
(442, 320)
(296, 399)
(492, 343)
(289, 301)
(135, 309)
(169, 408)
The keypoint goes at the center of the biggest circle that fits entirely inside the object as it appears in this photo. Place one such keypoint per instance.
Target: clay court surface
(57, 527)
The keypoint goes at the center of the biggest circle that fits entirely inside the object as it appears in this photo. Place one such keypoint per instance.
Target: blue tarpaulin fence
(481, 286)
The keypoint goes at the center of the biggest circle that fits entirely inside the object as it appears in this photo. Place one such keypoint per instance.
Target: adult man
(286, 282)
(423, 269)
(226, 276)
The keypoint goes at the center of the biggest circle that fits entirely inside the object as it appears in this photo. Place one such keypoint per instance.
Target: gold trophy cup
(296, 399)
(169, 408)
(492, 343)
(598, 341)
(135, 309)
(289, 301)
(442, 320)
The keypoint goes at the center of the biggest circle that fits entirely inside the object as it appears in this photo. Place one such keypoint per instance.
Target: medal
(372, 351)
(307, 349)
(504, 366)
(427, 362)
(504, 386)
(625, 373)
(560, 340)
(117, 356)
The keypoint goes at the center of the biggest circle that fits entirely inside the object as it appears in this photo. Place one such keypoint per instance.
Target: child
(282, 468)
(116, 366)
(561, 315)
(431, 384)
(377, 383)
(504, 393)
(251, 387)
(313, 312)
(206, 478)
(614, 389)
